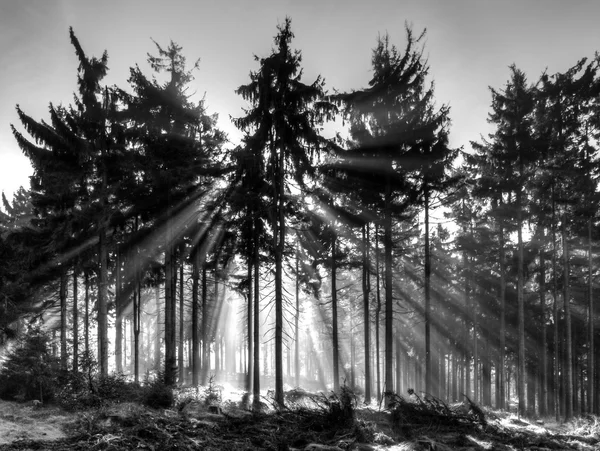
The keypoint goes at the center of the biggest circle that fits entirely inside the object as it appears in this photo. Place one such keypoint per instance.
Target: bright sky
(470, 44)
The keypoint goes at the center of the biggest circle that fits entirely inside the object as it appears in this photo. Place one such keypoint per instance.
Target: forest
(149, 248)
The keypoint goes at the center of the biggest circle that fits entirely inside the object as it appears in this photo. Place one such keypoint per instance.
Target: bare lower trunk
(75, 324)
(103, 303)
(521, 375)
(297, 327)
(366, 316)
(591, 347)
(180, 349)
(568, 338)
(195, 309)
(335, 343)
(63, 320)
(389, 301)
(544, 366)
(428, 369)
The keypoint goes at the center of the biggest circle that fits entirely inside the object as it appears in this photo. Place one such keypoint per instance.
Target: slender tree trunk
(335, 343)
(63, 320)
(170, 357)
(103, 281)
(256, 381)
(555, 314)
(366, 316)
(205, 334)
(157, 340)
(568, 337)
(180, 359)
(428, 371)
(398, 385)
(476, 363)
(502, 353)
(486, 373)
(377, 316)
(521, 375)
(137, 298)
(86, 324)
(389, 301)
(297, 325)
(118, 314)
(197, 262)
(591, 347)
(249, 326)
(468, 324)
(544, 366)
(279, 236)
(75, 323)
(214, 329)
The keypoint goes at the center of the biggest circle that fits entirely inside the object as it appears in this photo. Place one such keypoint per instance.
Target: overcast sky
(470, 44)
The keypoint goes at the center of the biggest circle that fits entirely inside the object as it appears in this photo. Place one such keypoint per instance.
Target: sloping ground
(27, 422)
(196, 426)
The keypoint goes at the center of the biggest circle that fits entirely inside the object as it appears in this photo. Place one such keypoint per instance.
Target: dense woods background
(383, 259)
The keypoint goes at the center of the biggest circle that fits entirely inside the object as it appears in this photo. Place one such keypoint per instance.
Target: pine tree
(283, 119)
(390, 122)
(513, 148)
(174, 139)
(74, 172)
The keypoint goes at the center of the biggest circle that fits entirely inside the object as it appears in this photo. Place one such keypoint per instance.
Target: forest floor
(325, 425)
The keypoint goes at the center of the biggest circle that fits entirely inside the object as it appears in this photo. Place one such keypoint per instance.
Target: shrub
(85, 389)
(115, 387)
(212, 393)
(157, 394)
(30, 372)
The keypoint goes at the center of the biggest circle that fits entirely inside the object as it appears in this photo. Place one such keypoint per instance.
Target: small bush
(30, 372)
(115, 387)
(212, 393)
(157, 394)
(338, 409)
(75, 393)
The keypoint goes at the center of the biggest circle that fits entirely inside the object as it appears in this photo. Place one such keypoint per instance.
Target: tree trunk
(170, 358)
(366, 316)
(118, 314)
(256, 378)
(63, 320)
(544, 366)
(205, 335)
(335, 342)
(377, 316)
(468, 323)
(103, 303)
(214, 326)
(157, 341)
(249, 326)
(297, 326)
(502, 352)
(521, 375)
(197, 262)
(86, 324)
(279, 238)
(555, 314)
(428, 370)
(137, 298)
(389, 300)
(568, 337)
(180, 359)
(591, 344)
(75, 324)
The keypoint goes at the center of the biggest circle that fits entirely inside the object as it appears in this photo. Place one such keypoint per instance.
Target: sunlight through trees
(381, 260)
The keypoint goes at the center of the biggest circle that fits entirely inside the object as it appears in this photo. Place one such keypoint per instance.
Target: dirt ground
(27, 422)
(23, 424)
